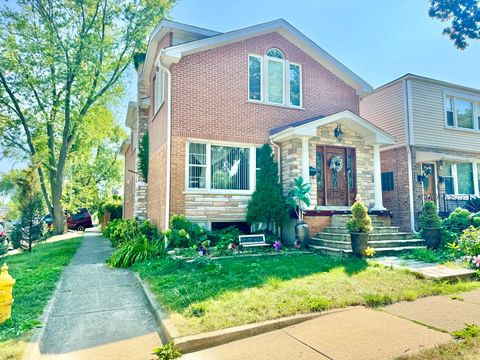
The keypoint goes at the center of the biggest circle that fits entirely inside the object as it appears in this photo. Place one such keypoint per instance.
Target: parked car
(80, 221)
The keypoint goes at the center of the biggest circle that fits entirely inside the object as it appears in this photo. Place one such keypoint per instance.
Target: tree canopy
(463, 16)
(59, 59)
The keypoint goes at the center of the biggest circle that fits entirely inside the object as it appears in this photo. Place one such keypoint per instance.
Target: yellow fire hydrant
(6, 298)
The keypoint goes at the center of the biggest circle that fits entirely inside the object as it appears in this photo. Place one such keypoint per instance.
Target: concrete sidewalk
(97, 312)
(359, 333)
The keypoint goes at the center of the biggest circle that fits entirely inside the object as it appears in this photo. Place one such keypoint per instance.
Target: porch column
(377, 178)
(305, 159)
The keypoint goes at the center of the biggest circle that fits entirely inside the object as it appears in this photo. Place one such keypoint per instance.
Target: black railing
(447, 203)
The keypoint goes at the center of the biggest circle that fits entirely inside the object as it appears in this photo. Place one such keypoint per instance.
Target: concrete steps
(386, 240)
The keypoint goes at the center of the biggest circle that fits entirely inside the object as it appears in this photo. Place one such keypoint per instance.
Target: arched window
(272, 79)
(275, 53)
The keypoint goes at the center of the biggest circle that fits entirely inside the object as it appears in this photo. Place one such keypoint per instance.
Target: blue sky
(379, 40)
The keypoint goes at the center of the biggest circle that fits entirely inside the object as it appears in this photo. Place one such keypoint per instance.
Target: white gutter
(408, 136)
(169, 137)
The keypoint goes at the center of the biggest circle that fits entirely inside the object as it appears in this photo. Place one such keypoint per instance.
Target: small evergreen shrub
(429, 218)
(459, 220)
(360, 222)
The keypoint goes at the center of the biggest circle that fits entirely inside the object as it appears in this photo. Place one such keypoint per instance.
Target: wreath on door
(336, 163)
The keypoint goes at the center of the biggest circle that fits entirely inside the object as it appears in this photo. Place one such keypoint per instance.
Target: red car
(80, 221)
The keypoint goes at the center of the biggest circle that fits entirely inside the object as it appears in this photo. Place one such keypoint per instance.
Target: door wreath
(336, 163)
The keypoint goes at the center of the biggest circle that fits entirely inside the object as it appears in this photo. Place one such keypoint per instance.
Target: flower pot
(432, 237)
(302, 233)
(359, 243)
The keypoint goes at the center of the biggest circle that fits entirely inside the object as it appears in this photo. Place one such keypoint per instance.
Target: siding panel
(385, 108)
(429, 120)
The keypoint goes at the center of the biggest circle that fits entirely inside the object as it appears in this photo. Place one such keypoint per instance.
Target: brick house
(209, 100)
(437, 154)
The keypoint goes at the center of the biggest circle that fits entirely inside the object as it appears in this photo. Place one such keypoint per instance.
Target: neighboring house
(209, 100)
(437, 154)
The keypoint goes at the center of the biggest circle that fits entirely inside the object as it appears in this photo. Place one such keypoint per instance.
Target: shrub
(459, 220)
(137, 250)
(360, 220)
(184, 233)
(469, 242)
(113, 206)
(120, 231)
(267, 204)
(429, 218)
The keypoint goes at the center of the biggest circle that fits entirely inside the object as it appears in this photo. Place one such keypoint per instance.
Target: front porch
(339, 155)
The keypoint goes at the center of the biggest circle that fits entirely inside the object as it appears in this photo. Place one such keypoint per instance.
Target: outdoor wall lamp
(312, 171)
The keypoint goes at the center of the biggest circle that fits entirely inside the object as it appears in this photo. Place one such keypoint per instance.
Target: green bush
(429, 218)
(184, 233)
(360, 221)
(459, 220)
(114, 206)
(469, 242)
(123, 230)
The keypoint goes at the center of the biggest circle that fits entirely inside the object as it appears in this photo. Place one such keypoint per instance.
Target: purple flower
(277, 245)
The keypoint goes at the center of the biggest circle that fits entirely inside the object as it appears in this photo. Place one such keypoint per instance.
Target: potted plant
(359, 226)
(431, 225)
(299, 200)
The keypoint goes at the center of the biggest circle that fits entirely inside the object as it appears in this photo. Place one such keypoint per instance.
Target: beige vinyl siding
(385, 108)
(429, 119)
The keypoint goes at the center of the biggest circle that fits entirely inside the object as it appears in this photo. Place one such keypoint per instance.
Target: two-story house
(437, 154)
(209, 100)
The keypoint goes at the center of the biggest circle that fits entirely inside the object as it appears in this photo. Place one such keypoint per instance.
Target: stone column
(377, 178)
(305, 159)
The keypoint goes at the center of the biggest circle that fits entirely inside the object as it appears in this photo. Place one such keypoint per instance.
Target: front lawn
(36, 275)
(213, 294)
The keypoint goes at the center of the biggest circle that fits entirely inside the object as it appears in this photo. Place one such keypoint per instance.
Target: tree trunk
(58, 219)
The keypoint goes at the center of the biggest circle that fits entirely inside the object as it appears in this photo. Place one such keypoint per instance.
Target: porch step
(341, 220)
(384, 243)
(344, 230)
(373, 236)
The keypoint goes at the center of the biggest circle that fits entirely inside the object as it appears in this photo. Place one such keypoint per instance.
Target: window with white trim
(158, 89)
(274, 80)
(220, 167)
(461, 178)
(462, 113)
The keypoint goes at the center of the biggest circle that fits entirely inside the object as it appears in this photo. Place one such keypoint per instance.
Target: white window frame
(301, 85)
(261, 78)
(476, 189)
(159, 90)
(264, 82)
(208, 189)
(460, 96)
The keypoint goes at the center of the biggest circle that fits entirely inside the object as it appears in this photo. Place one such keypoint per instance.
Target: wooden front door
(336, 176)
(429, 186)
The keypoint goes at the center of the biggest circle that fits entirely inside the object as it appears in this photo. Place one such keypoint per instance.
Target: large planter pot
(302, 234)
(359, 243)
(432, 237)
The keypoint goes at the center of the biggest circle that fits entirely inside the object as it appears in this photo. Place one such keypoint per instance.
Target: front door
(428, 180)
(336, 176)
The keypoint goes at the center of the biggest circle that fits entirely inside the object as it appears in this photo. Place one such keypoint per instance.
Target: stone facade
(129, 183)
(291, 160)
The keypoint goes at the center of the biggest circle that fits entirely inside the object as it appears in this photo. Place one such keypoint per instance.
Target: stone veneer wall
(292, 160)
(140, 210)
(216, 207)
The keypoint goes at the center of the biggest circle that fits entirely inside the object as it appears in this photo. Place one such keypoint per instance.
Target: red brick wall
(129, 183)
(398, 200)
(157, 132)
(210, 92)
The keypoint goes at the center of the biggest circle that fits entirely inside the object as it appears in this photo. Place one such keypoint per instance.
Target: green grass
(428, 255)
(209, 295)
(36, 275)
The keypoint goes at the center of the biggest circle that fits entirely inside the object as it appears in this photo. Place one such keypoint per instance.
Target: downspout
(169, 138)
(408, 109)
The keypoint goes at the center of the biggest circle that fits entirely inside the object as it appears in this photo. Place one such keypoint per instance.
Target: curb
(168, 330)
(191, 343)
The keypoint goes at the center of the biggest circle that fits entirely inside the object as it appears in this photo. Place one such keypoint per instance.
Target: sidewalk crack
(300, 341)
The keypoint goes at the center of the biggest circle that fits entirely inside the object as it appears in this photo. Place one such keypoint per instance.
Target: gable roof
(371, 133)
(211, 40)
(163, 28)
